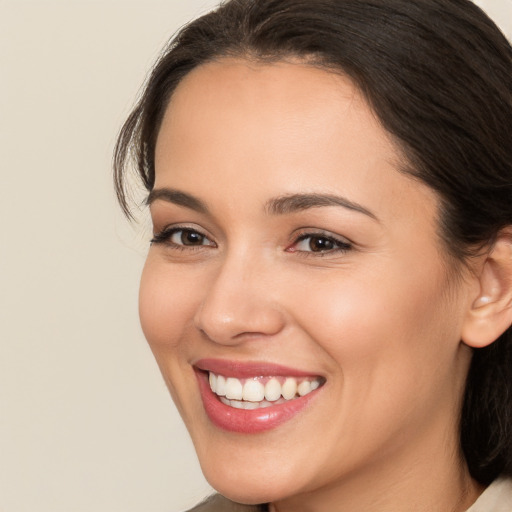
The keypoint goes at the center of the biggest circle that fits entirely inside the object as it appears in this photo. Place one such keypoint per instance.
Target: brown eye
(320, 243)
(188, 237)
(182, 237)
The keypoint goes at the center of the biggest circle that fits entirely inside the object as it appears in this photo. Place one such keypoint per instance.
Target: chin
(248, 489)
(261, 478)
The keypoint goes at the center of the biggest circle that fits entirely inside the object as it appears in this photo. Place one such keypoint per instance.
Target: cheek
(383, 323)
(166, 306)
(392, 352)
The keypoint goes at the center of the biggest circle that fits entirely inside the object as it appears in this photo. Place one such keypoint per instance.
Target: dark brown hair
(438, 74)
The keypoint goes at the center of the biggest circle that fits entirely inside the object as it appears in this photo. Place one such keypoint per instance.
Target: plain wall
(86, 424)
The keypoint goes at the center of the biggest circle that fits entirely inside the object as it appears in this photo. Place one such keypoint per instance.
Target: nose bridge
(238, 301)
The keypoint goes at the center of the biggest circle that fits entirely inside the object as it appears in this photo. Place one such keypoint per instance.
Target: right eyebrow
(299, 202)
(177, 197)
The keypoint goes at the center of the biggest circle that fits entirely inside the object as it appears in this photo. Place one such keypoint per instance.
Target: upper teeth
(258, 389)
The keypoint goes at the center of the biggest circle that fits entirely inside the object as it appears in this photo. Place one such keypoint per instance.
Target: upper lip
(248, 369)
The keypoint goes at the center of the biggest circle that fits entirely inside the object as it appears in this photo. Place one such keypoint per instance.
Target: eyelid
(343, 244)
(164, 236)
(307, 231)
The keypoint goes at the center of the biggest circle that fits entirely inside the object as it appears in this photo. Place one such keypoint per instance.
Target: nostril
(237, 306)
(238, 320)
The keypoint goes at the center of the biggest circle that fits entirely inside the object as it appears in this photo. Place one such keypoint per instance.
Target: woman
(328, 292)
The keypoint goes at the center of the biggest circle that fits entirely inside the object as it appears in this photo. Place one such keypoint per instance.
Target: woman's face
(290, 252)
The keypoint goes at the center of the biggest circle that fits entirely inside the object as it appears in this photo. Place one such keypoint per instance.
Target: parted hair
(438, 74)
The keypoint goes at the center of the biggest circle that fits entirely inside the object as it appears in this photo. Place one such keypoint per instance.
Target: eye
(188, 237)
(182, 237)
(319, 243)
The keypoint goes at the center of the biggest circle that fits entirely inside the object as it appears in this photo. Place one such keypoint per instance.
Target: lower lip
(248, 421)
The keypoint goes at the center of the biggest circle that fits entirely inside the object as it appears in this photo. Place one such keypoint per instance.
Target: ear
(490, 314)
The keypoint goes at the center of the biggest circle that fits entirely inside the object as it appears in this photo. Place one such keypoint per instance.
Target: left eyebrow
(298, 202)
(177, 197)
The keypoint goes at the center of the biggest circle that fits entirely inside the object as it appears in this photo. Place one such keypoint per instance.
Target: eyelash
(165, 236)
(338, 245)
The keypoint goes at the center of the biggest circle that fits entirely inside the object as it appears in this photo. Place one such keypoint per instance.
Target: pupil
(191, 238)
(321, 244)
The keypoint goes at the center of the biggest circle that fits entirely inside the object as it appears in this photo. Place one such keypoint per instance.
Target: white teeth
(289, 388)
(304, 388)
(240, 404)
(213, 382)
(220, 388)
(253, 394)
(253, 391)
(251, 405)
(237, 404)
(233, 389)
(272, 390)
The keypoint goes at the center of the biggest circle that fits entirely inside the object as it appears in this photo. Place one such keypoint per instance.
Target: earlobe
(490, 313)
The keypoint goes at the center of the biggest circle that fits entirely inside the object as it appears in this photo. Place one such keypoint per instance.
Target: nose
(239, 303)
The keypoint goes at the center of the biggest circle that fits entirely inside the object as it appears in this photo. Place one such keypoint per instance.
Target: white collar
(496, 498)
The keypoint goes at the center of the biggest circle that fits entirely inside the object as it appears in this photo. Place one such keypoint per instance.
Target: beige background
(86, 424)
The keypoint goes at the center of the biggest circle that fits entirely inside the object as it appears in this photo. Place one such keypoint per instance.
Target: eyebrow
(177, 197)
(278, 206)
(298, 202)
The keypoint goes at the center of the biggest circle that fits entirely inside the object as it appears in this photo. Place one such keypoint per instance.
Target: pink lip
(242, 420)
(245, 370)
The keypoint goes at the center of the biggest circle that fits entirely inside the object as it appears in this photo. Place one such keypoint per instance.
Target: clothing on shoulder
(496, 498)
(218, 503)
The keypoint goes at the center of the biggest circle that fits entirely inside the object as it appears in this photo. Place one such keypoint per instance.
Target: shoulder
(496, 498)
(218, 503)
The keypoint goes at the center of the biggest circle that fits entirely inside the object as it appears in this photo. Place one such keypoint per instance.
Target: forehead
(262, 129)
(280, 97)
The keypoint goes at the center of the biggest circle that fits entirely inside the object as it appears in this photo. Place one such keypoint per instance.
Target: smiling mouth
(261, 392)
(254, 397)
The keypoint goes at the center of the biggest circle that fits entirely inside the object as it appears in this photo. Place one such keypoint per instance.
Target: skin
(380, 321)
